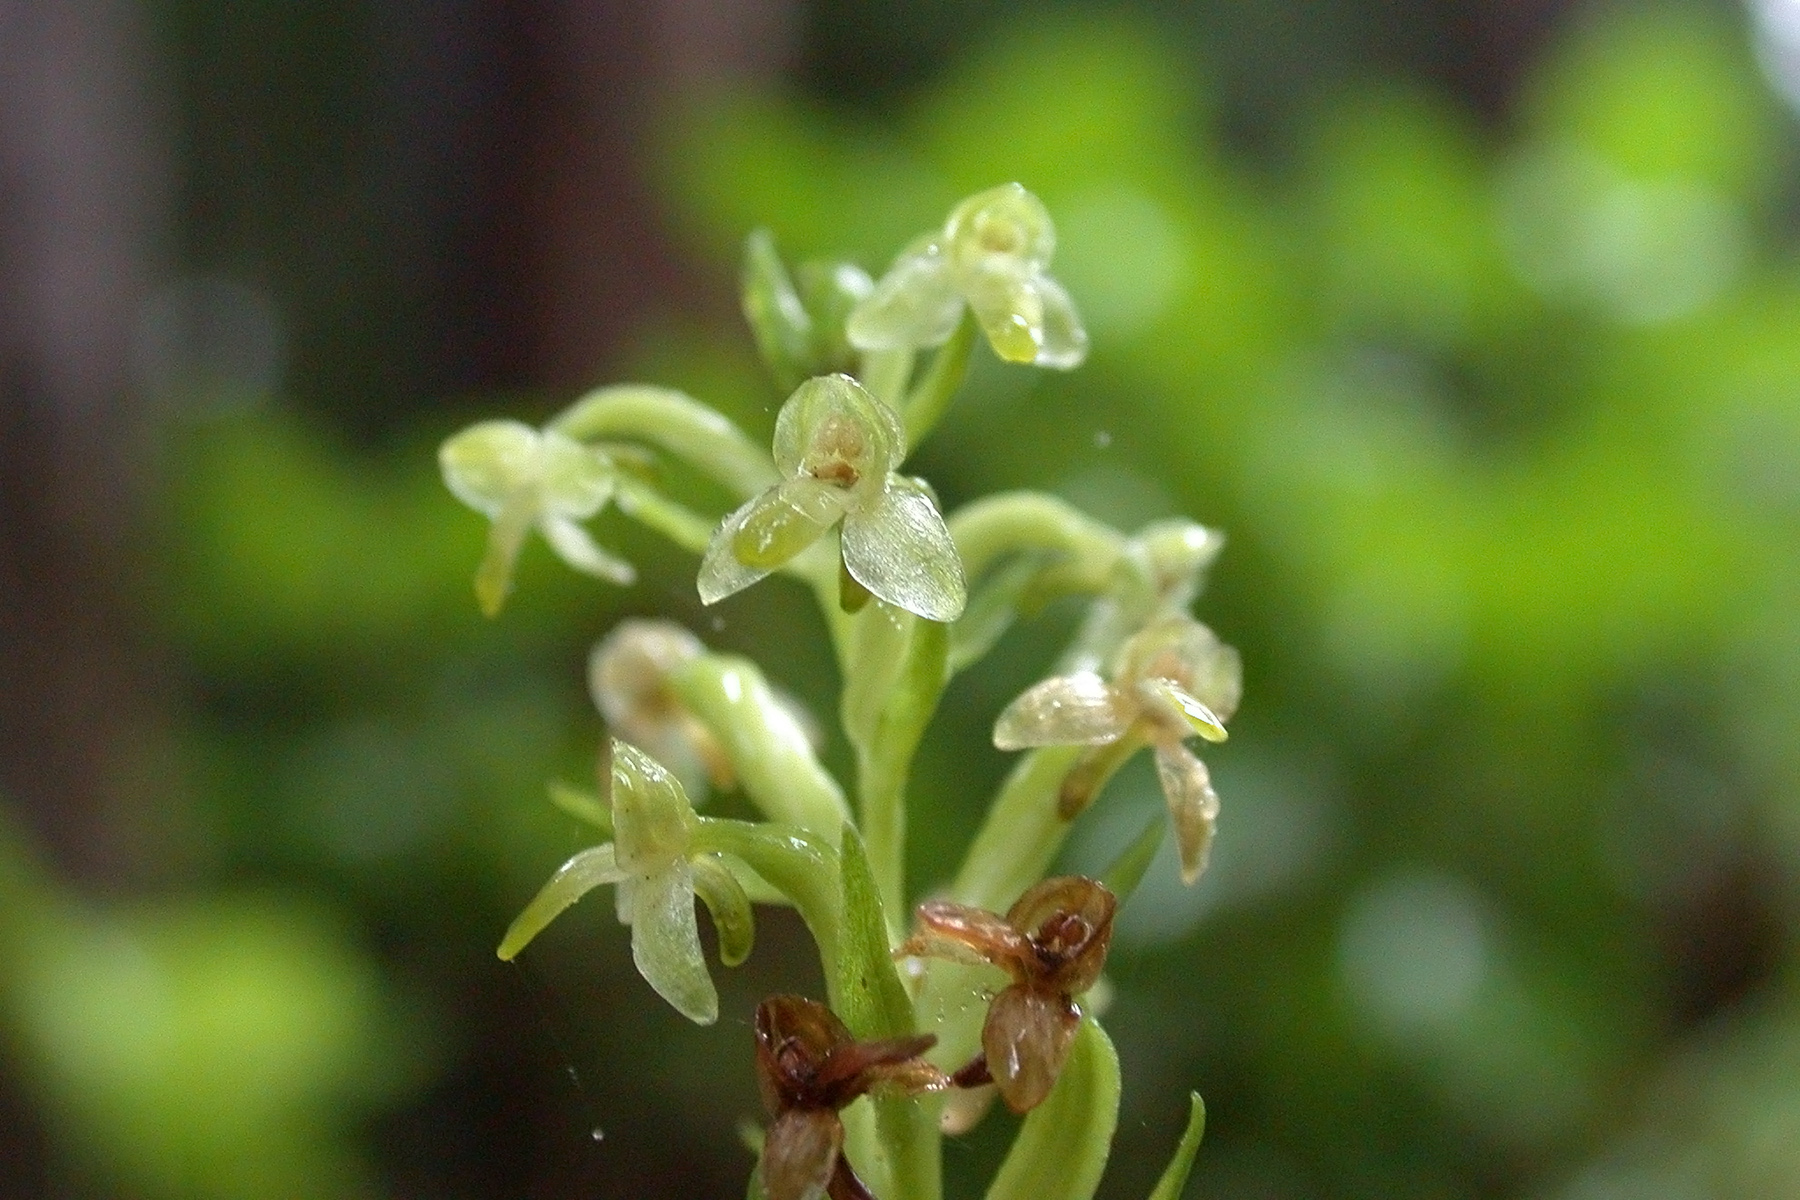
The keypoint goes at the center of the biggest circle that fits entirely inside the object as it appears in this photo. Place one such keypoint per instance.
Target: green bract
(836, 447)
(521, 478)
(991, 255)
(658, 872)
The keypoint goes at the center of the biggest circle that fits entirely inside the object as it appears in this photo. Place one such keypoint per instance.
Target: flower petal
(489, 461)
(493, 578)
(963, 933)
(1069, 919)
(800, 1152)
(576, 547)
(1187, 786)
(721, 574)
(913, 305)
(899, 548)
(832, 429)
(1180, 710)
(1005, 228)
(787, 519)
(729, 905)
(575, 480)
(573, 880)
(665, 942)
(1065, 341)
(1026, 1040)
(1011, 314)
(653, 822)
(1066, 710)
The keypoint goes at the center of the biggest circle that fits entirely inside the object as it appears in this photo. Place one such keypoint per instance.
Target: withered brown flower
(1053, 942)
(809, 1066)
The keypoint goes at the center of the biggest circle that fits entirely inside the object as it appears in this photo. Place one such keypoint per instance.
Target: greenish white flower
(836, 447)
(992, 255)
(521, 479)
(1172, 681)
(629, 677)
(658, 872)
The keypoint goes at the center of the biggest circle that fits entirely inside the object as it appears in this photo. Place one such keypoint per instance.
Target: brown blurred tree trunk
(81, 190)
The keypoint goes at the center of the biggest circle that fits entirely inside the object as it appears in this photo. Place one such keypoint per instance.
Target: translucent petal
(573, 880)
(1184, 651)
(1026, 1040)
(800, 1153)
(576, 547)
(653, 823)
(786, 519)
(628, 670)
(721, 574)
(915, 304)
(832, 429)
(1010, 312)
(487, 462)
(1066, 710)
(1194, 806)
(1180, 711)
(574, 480)
(1213, 671)
(665, 943)
(1065, 341)
(729, 906)
(1004, 228)
(965, 934)
(512, 521)
(899, 548)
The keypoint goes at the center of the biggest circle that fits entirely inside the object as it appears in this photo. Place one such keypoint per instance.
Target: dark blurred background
(1476, 325)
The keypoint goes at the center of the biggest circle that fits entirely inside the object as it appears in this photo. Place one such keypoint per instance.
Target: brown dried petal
(969, 935)
(1068, 922)
(1026, 1040)
(800, 1153)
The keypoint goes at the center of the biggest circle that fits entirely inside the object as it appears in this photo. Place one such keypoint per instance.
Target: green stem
(898, 665)
(678, 423)
(799, 863)
(1022, 833)
(908, 1130)
(885, 374)
(766, 745)
(650, 508)
(1008, 522)
(929, 399)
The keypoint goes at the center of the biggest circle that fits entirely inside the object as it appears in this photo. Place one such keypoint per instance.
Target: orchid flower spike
(629, 674)
(658, 874)
(1172, 680)
(522, 478)
(991, 256)
(809, 1066)
(836, 447)
(1053, 943)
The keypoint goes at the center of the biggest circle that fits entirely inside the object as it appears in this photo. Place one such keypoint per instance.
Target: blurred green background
(1475, 326)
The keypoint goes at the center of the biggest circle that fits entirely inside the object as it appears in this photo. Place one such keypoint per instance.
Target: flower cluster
(909, 597)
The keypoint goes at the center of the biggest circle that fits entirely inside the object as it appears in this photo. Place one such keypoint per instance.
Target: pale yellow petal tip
(491, 590)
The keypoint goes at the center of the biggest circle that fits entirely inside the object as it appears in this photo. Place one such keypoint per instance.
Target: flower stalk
(990, 981)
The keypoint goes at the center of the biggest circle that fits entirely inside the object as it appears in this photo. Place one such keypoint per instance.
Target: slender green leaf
(1062, 1147)
(1174, 1176)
